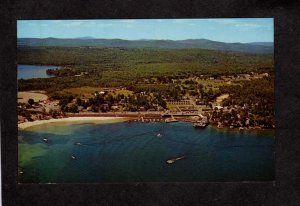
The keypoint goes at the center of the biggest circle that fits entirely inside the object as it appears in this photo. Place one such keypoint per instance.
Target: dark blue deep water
(33, 71)
(132, 152)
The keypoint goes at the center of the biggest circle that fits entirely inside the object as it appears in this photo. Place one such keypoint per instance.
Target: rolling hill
(255, 47)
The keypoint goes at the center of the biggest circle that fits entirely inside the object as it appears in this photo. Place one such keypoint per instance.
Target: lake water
(33, 71)
(134, 152)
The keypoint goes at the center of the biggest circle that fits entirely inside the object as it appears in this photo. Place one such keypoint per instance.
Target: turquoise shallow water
(132, 152)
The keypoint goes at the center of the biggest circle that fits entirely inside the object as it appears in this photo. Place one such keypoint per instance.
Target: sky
(242, 30)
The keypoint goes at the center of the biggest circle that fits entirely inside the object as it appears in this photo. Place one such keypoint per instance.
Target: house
(160, 108)
(21, 118)
(182, 102)
(265, 75)
(218, 107)
(104, 107)
(199, 102)
(80, 108)
(115, 107)
(142, 109)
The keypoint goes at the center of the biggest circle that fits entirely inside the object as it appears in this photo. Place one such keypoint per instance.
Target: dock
(171, 161)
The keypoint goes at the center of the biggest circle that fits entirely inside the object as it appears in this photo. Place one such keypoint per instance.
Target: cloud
(73, 23)
(129, 21)
(129, 26)
(104, 25)
(223, 21)
(85, 23)
(239, 24)
(56, 21)
(177, 21)
(249, 26)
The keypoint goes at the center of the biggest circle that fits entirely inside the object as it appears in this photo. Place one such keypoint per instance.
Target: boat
(73, 157)
(171, 161)
(159, 135)
(200, 124)
(45, 139)
(169, 120)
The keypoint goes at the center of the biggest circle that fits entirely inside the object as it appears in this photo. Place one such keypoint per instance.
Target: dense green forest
(124, 66)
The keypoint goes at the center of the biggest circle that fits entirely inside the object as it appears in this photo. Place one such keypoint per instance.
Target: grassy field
(220, 98)
(82, 91)
(120, 92)
(23, 97)
(88, 91)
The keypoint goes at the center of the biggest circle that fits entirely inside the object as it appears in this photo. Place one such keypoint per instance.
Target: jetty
(171, 161)
(172, 119)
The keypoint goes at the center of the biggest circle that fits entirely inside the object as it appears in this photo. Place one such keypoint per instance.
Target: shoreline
(243, 130)
(26, 125)
(113, 119)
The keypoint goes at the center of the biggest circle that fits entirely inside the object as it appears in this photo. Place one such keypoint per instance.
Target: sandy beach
(72, 119)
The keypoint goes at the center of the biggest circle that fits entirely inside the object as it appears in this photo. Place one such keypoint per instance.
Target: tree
(73, 108)
(31, 102)
(43, 110)
(95, 108)
(163, 104)
(193, 93)
(79, 101)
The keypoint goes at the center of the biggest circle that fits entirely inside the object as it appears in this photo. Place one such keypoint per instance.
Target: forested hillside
(256, 47)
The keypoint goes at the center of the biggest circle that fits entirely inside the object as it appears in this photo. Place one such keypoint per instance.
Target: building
(182, 102)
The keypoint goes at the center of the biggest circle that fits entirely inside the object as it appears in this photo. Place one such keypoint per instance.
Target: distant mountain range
(254, 47)
(262, 43)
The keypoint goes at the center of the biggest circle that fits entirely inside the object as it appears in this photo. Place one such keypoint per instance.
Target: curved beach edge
(26, 125)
